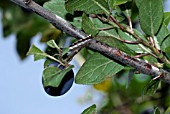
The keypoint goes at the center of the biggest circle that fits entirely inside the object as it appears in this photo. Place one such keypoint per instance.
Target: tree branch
(114, 53)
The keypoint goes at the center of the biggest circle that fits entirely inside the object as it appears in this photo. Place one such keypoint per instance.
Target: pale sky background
(21, 87)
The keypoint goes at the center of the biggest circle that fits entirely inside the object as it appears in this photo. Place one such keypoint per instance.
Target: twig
(102, 19)
(114, 53)
(150, 40)
(107, 28)
(129, 42)
(157, 77)
(117, 23)
(155, 46)
(151, 47)
(72, 54)
(140, 40)
(141, 55)
(130, 23)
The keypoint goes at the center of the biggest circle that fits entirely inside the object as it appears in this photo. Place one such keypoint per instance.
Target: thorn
(137, 72)
(27, 2)
(141, 55)
(157, 77)
(81, 43)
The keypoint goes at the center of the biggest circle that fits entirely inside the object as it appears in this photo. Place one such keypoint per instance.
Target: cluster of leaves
(151, 21)
(97, 17)
(98, 69)
(52, 75)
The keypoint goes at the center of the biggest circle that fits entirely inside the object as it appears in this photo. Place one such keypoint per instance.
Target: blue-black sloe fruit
(65, 84)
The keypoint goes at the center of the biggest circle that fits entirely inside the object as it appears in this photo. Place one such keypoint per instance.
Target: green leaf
(127, 8)
(167, 110)
(167, 52)
(151, 87)
(88, 25)
(47, 62)
(151, 15)
(138, 3)
(165, 43)
(162, 34)
(89, 6)
(98, 24)
(114, 3)
(65, 50)
(76, 21)
(139, 34)
(52, 76)
(96, 69)
(120, 18)
(166, 18)
(128, 37)
(156, 111)
(90, 110)
(166, 66)
(150, 59)
(34, 50)
(127, 13)
(156, 42)
(38, 54)
(57, 7)
(112, 41)
(52, 44)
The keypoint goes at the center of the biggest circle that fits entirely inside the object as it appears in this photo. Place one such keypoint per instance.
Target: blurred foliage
(25, 25)
(122, 100)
